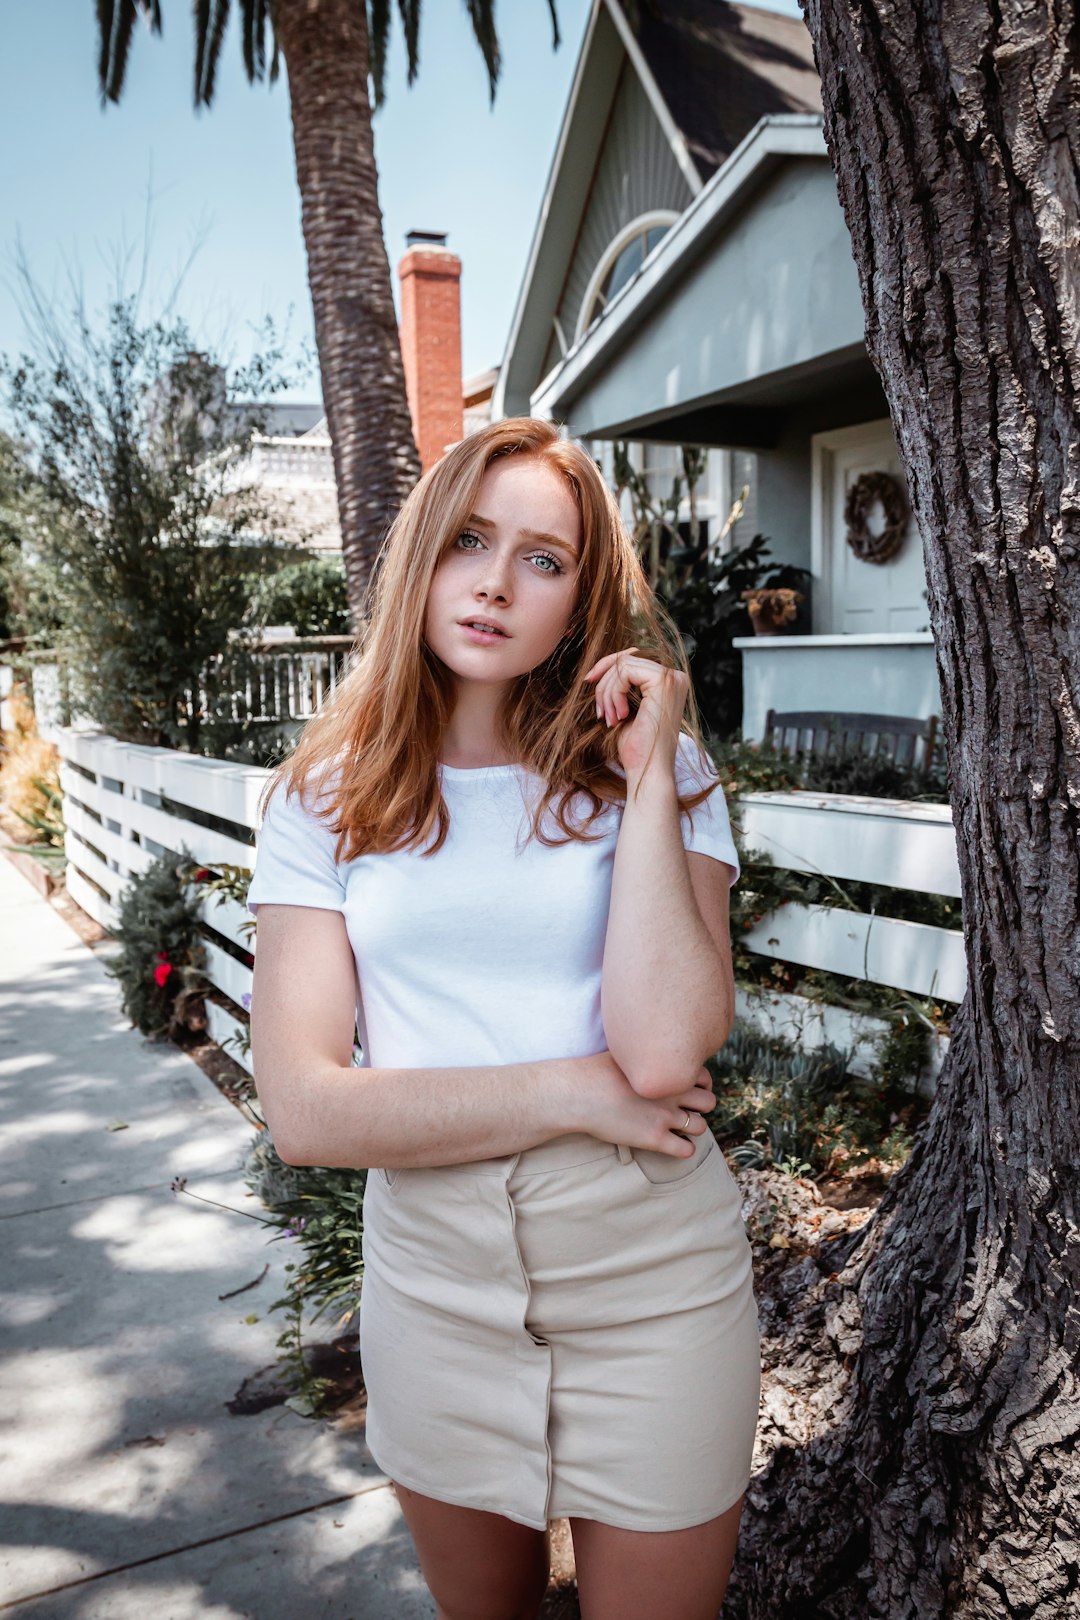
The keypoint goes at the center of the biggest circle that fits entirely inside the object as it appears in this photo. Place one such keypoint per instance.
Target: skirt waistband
(577, 1147)
(559, 1153)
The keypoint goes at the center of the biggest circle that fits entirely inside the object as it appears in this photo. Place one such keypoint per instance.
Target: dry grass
(26, 760)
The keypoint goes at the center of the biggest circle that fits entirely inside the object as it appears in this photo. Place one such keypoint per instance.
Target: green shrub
(698, 583)
(159, 962)
(308, 594)
(804, 1110)
(708, 608)
(320, 1211)
(136, 522)
(876, 776)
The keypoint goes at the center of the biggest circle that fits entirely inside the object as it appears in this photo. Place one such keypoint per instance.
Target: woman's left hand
(663, 701)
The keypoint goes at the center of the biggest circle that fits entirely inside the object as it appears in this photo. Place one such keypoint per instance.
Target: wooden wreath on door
(862, 497)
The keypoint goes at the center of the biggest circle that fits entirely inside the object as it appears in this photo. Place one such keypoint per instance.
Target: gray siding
(777, 291)
(636, 173)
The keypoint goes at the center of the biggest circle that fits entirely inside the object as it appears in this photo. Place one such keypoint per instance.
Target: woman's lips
(483, 637)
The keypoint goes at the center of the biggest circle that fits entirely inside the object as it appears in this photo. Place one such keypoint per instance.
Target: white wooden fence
(287, 684)
(891, 842)
(283, 682)
(124, 804)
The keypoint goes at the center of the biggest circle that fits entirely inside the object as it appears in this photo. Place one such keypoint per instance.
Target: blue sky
(223, 183)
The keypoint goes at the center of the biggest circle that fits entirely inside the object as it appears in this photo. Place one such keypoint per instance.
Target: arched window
(622, 261)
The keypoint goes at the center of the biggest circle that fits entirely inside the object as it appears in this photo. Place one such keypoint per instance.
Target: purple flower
(245, 1001)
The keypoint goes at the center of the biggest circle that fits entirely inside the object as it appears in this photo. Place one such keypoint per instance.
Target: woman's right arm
(322, 1111)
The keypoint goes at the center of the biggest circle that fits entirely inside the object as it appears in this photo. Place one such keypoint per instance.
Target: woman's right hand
(614, 1112)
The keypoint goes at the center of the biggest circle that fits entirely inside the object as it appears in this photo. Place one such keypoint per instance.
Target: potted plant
(772, 608)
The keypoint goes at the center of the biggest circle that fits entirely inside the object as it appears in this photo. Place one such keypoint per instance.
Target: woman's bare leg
(640, 1574)
(478, 1566)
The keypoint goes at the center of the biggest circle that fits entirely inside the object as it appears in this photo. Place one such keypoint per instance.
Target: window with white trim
(621, 263)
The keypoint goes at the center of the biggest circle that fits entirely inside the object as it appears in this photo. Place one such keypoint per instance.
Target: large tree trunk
(923, 1442)
(325, 46)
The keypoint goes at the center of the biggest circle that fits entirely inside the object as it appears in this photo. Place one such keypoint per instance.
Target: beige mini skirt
(566, 1331)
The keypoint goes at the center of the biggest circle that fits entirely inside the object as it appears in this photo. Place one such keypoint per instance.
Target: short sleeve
(294, 858)
(710, 833)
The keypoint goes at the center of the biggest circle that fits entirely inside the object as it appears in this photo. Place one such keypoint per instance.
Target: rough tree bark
(325, 46)
(923, 1436)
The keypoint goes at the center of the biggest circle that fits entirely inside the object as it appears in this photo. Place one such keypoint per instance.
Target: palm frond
(556, 37)
(410, 21)
(247, 36)
(105, 28)
(482, 17)
(275, 60)
(256, 14)
(202, 29)
(116, 23)
(378, 37)
(260, 42)
(213, 53)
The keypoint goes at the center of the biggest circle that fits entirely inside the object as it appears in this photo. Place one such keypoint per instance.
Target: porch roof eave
(770, 142)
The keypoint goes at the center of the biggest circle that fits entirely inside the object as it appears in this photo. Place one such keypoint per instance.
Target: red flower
(162, 971)
(201, 873)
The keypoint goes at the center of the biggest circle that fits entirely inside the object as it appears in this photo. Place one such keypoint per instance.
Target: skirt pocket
(664, 1173)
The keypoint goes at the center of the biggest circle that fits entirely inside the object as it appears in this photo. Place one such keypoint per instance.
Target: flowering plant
(159, 962)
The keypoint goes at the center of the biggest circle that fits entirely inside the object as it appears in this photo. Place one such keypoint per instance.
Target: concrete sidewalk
(126, 1487)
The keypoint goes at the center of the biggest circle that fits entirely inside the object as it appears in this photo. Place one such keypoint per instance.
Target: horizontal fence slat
(886, 841)
(204, 844)
(227, 917)
(214, 786)
(882, 950)
(85, 895)
(228, 1031)
(91, 865)
(226, 974)
(130, 858)
(91, 794)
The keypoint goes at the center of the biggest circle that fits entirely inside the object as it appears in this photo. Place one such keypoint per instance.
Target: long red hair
(385, 724)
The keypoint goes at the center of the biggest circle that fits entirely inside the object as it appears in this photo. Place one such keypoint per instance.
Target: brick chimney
(431, 342)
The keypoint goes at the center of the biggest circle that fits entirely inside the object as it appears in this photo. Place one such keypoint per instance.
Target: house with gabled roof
(691, 281)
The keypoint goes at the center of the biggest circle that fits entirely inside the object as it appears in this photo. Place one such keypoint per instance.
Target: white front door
(852, 596)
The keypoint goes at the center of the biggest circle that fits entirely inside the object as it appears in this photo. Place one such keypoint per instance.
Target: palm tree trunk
(325, 46)
(923, 1433)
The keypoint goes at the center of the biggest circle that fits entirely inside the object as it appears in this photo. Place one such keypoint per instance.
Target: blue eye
(537, 556)
(545, 556)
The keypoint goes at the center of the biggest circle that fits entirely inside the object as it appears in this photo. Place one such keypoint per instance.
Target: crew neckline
(480, 770)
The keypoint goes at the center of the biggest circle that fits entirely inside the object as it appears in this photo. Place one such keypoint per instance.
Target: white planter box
(812, 1024)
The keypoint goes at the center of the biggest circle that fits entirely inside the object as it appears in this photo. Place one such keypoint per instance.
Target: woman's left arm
(667, 991)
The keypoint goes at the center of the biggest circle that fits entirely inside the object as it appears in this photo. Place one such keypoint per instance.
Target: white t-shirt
(486, 952)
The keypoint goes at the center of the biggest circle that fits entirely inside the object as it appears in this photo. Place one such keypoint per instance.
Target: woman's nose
(494, 578)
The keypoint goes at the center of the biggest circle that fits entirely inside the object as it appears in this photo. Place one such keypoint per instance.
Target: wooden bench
(896, 736)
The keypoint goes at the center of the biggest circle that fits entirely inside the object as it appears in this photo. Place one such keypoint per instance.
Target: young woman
(503, 853)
